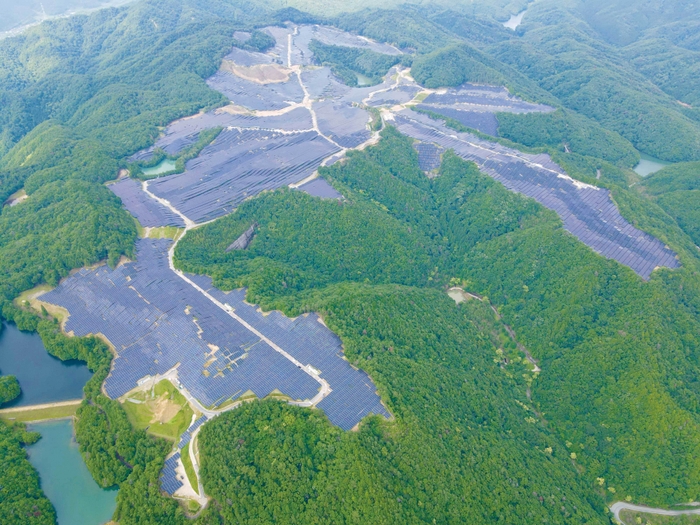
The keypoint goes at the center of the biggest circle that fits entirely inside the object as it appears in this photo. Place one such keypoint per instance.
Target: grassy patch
(41, 414)
(420, 97)
(163, 412)
(164, 232)
(641, 518)
(140, 230)
(192, 506)
(29, 300)
(276, 394)
(28, 295)
(189, 468)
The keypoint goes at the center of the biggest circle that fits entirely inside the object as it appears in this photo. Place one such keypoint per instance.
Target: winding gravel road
(619, 506)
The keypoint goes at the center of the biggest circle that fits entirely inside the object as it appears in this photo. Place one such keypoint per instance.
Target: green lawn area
(28, 300)
(42, 414)
(189, 468)
(164, 412)
(639, 518)
(165, 232)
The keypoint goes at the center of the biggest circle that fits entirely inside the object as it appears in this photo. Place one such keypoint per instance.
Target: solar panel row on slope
(587, 211)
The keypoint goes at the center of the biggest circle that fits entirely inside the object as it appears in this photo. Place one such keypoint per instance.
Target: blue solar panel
(156, 321)
(170, 482)
(588, 212)
(148, 211)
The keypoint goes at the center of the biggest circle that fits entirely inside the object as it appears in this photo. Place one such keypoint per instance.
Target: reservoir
(514, 21)
(163, 167)
(42, 377)
(648, 165)
(65, 479)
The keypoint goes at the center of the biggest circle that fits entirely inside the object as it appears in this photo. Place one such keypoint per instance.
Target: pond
(42, 377)
(363, 80)
(65, 479)
(162, 167)
(514, 20)
(648, 165)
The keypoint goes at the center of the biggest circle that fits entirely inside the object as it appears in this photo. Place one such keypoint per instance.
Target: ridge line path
(619, 506)
(308, 102)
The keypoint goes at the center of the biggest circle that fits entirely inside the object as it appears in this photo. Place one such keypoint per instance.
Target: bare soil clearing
(260, 73)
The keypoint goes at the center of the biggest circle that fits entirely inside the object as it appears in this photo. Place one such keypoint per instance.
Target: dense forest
(613, 86)
(347, 62)
(21, 498)
(569, 132)
(575, 311)
(676, 189)
(77, 96)
(476, 436)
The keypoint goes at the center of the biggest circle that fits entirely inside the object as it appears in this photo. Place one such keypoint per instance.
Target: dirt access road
(619, 506)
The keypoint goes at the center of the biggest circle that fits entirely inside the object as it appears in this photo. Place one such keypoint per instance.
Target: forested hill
(478, 436)
(79, 95)
(647, 91)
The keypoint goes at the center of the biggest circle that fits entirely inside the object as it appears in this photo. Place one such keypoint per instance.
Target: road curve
(619, 506)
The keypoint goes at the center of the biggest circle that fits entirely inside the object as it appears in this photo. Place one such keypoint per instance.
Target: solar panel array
(308, 340)
(184, 132)
(240, 164)
(491, 99)
(148, 211)
(332, 36)
(342, 122)
(262, 149)
(247, 58)
(319, 187)
(587, 211)
(170, 482)
(485, 122)
(156, 320)
(260, 97)
(429, 155)
(475, 106)
(186, 436)
(242, 36)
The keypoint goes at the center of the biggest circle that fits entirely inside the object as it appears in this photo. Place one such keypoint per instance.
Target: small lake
(648, 165)
(43, 378)
(514, 21)
(363, 80)
(163, 167)
(65, 479)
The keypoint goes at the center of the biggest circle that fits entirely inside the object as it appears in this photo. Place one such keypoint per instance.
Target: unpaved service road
(619, 506)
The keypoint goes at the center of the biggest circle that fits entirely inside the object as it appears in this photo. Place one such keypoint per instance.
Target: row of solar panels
(144, 317)
(587, 212)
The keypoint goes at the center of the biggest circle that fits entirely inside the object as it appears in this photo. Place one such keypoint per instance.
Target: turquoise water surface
(648, 165)
(42, 377)
(163, 167)
(65, 479)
